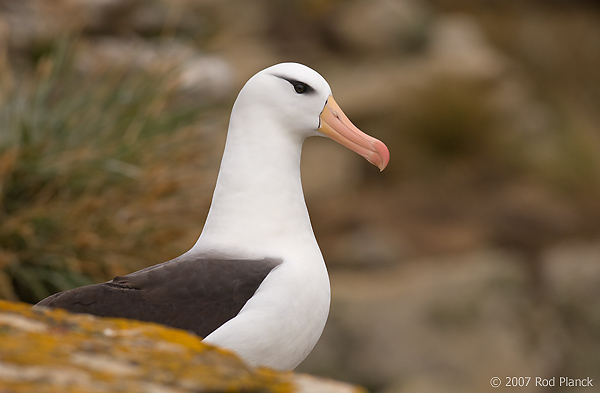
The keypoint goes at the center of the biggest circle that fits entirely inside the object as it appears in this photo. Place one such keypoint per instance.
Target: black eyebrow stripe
(309, 88)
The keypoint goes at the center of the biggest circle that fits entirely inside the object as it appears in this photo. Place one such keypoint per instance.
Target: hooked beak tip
(336, 125)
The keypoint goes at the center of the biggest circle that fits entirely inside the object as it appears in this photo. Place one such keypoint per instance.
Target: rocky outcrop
(452, 323)
(46, 350)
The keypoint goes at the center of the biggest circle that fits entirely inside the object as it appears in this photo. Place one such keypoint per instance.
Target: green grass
(69, 148)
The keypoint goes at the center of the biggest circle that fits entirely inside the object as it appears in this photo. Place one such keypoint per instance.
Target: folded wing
(198, 294)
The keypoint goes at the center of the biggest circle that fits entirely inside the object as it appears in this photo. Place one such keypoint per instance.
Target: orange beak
(336, 125)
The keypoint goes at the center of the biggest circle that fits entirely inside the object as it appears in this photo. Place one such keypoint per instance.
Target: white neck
(258, 206)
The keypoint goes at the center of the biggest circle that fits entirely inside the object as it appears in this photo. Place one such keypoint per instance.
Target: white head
(299, 101)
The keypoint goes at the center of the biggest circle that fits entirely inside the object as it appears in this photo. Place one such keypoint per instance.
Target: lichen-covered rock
(48, 350)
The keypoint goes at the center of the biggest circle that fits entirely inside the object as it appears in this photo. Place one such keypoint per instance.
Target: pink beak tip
(382, 155)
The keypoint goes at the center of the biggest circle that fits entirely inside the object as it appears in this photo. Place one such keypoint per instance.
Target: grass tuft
(68, 138)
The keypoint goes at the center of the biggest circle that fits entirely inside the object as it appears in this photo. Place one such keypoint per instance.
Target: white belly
(282, 322)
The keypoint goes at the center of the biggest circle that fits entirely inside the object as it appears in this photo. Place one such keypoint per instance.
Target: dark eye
(300, 87)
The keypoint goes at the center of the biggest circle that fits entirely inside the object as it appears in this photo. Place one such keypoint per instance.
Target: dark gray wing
(192, 293)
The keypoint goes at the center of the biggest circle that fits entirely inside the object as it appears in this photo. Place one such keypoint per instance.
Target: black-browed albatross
(255, 281)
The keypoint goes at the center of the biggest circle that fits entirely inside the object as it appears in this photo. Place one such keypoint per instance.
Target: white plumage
(258, 210)
(255, 281)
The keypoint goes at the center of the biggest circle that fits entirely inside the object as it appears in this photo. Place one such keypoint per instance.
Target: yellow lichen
(120, 355)
(81, 353)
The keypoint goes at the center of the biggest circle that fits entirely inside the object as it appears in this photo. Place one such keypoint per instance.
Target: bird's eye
(300, 87)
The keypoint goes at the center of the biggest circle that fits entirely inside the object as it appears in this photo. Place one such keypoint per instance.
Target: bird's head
(300, 98)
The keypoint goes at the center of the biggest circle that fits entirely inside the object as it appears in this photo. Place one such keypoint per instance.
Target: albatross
(255, 282)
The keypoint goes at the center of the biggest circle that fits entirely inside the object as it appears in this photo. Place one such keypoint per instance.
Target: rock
(572, 271)
(451, 323)
(200, 78)
(459, 49)
(49, 350)
(35, 24)
(33, 21)
(30, 22)
(166, 17)
(439, 325)
(393, 27)
(459, 45)
(572, 277)
(103, 16)
(38, 22)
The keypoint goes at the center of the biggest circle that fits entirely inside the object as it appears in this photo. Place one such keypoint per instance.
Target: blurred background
(475, 254)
